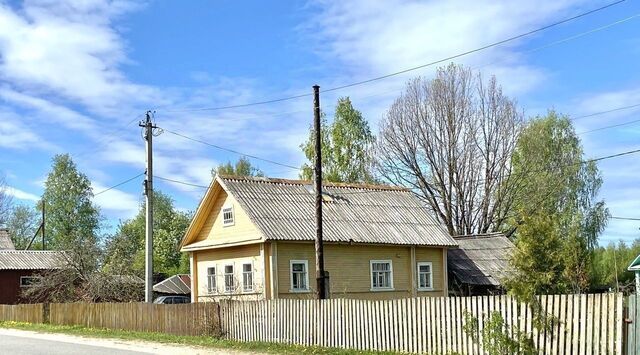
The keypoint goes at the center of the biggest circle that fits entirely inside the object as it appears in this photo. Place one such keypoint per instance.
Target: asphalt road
(17, 345)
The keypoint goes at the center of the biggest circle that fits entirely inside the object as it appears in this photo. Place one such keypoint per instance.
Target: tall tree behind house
(556, 216)
(450, 139)
(73, 221)
(346, 147)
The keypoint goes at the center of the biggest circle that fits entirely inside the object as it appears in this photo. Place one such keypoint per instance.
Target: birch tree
(450, 139)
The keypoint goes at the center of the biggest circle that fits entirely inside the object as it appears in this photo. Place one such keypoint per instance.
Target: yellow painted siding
(214, 231)
(235, 256)
(434, 255)
(350, 272)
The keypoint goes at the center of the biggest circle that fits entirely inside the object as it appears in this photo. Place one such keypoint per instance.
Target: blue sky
(76, 76)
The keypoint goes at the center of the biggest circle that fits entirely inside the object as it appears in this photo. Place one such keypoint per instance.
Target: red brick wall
(10, 285)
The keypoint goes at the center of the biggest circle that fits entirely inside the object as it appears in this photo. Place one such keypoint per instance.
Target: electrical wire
(611, 156)
(625, 218)
(494, 44)
(231, 150)
(610, 126)
(603, 112)
(117, 185)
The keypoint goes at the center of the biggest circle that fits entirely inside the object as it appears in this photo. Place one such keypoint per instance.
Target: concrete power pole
(321, 277)
(148, 193)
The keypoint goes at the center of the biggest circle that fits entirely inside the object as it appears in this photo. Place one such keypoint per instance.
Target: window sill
(381, 289)
(426, 289)
(299, 291)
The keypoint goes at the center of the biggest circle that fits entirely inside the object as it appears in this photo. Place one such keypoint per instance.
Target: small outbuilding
(635, 267)
(480, 264)
(176, 285)
(22, 268)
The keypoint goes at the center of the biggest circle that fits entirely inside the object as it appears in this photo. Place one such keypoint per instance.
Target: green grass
(202, 341)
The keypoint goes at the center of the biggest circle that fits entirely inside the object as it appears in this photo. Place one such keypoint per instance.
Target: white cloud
(117, 202)
(16, 135)
(22, 195)
(69, 49)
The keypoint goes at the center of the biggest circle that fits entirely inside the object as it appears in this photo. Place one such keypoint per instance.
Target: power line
(610, 126)
(479, 180)
(625, 218)
(494, 44)
(603, 112)
(231, 150)
(181, 182)
(119, 184)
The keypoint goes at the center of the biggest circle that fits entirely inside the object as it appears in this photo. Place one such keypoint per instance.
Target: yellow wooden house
(253, 238)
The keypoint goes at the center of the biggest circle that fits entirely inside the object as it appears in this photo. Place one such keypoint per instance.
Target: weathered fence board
(30, 313)
(179, 319)
(580, 323)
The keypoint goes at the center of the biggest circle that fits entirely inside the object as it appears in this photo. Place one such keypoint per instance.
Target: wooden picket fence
(179, 319)
(586, 324)
(30, 313)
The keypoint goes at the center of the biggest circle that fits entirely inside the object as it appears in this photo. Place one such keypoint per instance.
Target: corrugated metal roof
(285, 210)
(176, 285)
(481, 259)
(5, 240)
(31, 259)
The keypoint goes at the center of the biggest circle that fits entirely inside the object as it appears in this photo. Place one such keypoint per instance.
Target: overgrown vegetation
(201, 341)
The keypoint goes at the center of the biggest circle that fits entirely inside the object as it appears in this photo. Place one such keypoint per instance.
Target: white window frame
(390, 262)
(232, 221)
(210, 277)
(425, 263)
(306, 276)
(233, 278)
(251, 287)
(36, 278)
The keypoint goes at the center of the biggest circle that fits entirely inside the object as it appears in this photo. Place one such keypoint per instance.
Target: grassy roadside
(202, 341)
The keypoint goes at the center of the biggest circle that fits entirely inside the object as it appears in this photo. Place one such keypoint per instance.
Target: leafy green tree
(346, 145)
(125, 249)
(72, 220)
(242, 167)
(22, 224)
(556, 218)
(609, 268)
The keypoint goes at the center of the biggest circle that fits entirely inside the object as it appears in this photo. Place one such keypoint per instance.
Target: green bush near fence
(202, 341)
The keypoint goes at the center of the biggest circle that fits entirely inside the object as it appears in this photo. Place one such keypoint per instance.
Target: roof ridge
(364, 186)
(480, 235)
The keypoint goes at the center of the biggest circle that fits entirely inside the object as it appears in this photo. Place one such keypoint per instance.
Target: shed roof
(5, 240)
(635, 264)
(285, 210)
(31, 259)
(481, 259)
(176, 284)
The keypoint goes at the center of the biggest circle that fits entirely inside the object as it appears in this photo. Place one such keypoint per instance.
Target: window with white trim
(227, 216)
(425, 276)
(28, 281)
(229, 280)
(211, 280)
(299, 275)
(381, 275)
(247, 277)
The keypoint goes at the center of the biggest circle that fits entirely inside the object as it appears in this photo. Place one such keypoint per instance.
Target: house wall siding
(349, 268)
(218, 258)
(10, 290)
(213, 228)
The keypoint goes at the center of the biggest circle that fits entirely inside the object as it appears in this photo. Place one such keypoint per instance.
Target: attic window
(227, 216)
(325, 196)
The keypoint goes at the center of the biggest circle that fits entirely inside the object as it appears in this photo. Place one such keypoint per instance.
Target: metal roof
(285, 210)
(176, 285)
(31, 259)
(5, 240)
(481, 259)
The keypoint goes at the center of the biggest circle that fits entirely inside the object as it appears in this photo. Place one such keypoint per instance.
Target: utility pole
(148, 193)
(43, 246)
(321, 286)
